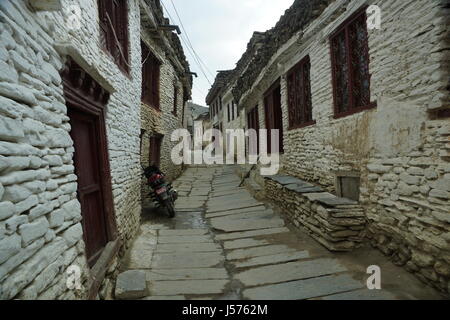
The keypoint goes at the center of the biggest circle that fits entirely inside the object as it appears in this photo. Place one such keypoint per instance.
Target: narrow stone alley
(224, 244)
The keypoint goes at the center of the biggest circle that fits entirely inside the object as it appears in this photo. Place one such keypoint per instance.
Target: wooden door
(86, 101)
(274, 116)
(155, 150)
(84, 133)
(253, 123)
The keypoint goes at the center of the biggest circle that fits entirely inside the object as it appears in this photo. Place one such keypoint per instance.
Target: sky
(219, 31)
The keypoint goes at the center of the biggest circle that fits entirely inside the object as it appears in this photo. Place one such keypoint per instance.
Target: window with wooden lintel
(350, 66)
(113, 16)
(299, 95)
(150, 77)
(228, 112)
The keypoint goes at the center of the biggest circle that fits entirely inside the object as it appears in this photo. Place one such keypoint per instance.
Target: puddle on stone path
(182, 220)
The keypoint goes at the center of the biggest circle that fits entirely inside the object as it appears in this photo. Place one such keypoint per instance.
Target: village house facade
(167, 85)
(72, 116)
(365, 128)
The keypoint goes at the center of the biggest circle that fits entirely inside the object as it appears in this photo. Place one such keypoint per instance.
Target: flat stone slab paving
(246, 224)
(184, 239)
(187, 274)
(187, 260)
(187, 232)
(188, 247)
(244, 243)
(235, 211)
(260, 214)
(289, 272)
(241, 254)
(139, 259)
(131, 285)
(250, 234)
(165, 298)
(363, 294)
(273, 259)
(187, 287)
(304, 289)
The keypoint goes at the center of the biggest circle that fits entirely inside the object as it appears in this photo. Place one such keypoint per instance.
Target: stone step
(131, 285)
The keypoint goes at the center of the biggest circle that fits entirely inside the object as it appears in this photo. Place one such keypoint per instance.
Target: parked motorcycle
(163, 194)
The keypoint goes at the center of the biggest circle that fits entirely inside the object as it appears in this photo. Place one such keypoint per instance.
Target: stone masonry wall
(163, 121)
(40, 216)
(399, 148)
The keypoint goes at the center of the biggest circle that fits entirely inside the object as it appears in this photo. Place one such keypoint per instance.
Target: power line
(188, 39)
(190, 49)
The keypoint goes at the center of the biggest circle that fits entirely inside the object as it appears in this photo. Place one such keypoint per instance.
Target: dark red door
(274, 116)
(253, 123)
(155, 150)
(85, 133)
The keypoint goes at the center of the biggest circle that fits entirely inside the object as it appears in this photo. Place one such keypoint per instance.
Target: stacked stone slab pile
(336, 223)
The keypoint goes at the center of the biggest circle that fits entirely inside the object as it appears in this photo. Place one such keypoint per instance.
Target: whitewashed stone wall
(40, 216)
(401, 153)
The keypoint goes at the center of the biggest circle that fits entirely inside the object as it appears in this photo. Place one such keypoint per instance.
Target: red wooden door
(274, 116)
(85, 130)
(155, 150)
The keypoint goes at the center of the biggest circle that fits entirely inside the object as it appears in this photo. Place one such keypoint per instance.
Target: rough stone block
(7, 209)
(34, 230)
(73, 235)
(131, 285)
(18, 93)
(9, 246)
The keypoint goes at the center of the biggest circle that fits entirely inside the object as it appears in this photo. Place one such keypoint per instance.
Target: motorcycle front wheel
(170, 209)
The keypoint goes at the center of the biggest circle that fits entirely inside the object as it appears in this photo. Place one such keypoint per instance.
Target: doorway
(274, 115)
(86, 101)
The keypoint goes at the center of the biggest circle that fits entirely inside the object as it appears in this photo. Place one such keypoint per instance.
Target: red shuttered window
(350, 63)
(150, 77)
(299, 95)
(113, 16)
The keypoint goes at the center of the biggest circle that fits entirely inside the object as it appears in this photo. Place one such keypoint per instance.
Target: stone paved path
(224, 244)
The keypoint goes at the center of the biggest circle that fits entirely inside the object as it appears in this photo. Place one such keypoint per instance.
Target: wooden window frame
(150, 73)
(116, 26)
(228, 112)
(344, 28)
(175, 99)
(305, 94)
